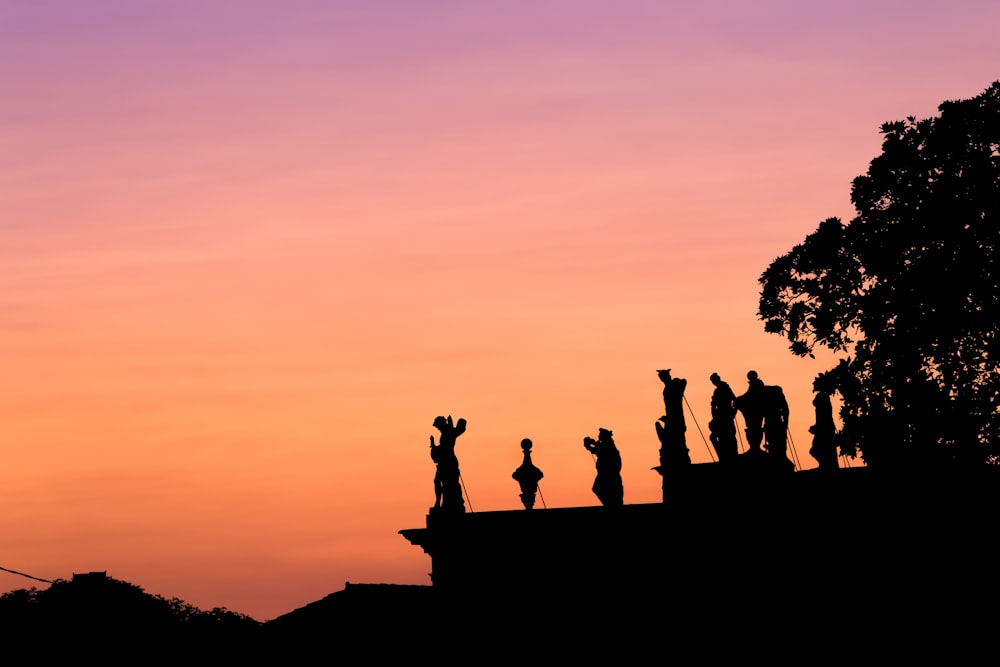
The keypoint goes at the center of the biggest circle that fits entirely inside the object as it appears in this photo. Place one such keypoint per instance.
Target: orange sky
(251, 251)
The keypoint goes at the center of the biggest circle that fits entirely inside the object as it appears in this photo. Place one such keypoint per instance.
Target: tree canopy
(97, 616)
(908, 292)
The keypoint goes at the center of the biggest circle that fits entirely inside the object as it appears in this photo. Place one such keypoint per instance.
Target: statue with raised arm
(722, 426)
(673, 401)
(447, 479)
(671, 432)
(527, 476)
(608, 484)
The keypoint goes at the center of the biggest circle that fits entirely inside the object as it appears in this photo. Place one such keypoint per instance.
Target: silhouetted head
(664, 375)
(751, 376)
(714, 377)
(824, 384)
(440, 422)
(526, 444)
(604, 434)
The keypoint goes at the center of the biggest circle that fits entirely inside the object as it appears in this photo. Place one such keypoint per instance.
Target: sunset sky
(252, 248)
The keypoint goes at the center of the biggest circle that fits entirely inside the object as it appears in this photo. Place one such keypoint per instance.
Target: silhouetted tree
(909, 290)
(94, 615)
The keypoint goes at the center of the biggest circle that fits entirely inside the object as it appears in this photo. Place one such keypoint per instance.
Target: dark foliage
(909, 291)
(96, 616)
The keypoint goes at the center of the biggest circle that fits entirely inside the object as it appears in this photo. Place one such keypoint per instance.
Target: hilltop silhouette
(96, 615)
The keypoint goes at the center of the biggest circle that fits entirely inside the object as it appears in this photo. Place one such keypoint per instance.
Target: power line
(695, 419)
(22, 574)
(467, 498)
(795, 453)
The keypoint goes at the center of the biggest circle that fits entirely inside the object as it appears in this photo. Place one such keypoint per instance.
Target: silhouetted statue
(673, 404)
(528, 476)
(776, 423)
(672, 452)
(447, 479)
(765, 411)
(608, 484)
(673, 442)
(824, 447)
(722, 426)
(751, 404)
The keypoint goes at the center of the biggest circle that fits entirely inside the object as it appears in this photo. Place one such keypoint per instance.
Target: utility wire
(467, 498)
(795, 453)
(22, 574)
(710, 452)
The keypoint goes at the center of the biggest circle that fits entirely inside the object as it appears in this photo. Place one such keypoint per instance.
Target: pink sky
(251, 249)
